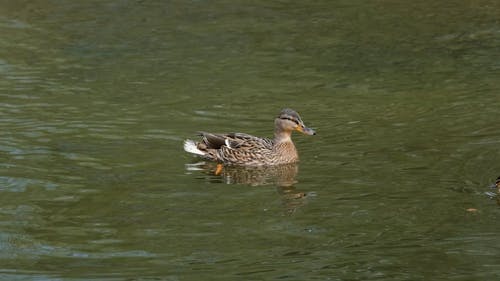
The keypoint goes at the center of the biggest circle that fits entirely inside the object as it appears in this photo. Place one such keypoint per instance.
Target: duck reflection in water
(281, 176)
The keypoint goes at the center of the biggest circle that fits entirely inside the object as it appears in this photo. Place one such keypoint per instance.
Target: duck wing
(234, 141)
(212, 141)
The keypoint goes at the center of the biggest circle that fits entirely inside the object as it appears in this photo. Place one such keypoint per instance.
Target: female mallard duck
(496, 184)
(243, 149)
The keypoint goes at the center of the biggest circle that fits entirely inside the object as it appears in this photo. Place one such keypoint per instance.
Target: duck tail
(191, 147)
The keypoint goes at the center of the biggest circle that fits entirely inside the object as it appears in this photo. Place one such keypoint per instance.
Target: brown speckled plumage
(244, 149)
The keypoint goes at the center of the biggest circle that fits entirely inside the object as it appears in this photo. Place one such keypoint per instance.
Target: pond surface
(96, 98)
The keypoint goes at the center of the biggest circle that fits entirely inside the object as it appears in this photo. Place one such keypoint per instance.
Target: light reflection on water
(96, 98)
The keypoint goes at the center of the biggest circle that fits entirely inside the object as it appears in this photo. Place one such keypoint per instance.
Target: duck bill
(306, 131)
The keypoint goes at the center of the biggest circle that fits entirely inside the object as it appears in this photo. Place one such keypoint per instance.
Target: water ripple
(21, 184)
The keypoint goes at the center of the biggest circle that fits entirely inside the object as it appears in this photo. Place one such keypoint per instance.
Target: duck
(247, 150)
(496, 184)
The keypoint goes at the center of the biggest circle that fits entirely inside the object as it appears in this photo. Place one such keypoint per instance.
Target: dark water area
(96, 98)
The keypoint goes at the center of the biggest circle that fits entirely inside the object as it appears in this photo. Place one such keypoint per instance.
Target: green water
(96, 98)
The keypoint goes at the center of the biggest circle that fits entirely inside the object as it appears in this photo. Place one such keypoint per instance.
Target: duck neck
(284, 147)
(282, 136)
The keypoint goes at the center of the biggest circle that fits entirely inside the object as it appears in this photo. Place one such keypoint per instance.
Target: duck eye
(291, 119)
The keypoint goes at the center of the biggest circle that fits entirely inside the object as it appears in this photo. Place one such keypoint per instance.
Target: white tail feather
(190, 146)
